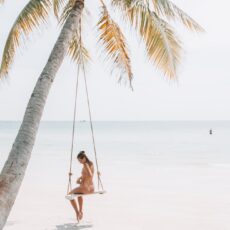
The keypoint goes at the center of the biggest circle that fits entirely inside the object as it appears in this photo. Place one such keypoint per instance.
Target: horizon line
(83, 120)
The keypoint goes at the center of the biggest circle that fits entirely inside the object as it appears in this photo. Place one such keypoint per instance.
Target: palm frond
(164, 8)
(77, 51)
(114, 43)
(57, 5)
(162, 45)
(67, 9)
(169, 10)
(32, 16)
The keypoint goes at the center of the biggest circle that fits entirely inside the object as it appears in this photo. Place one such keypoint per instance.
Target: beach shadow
(72, 226)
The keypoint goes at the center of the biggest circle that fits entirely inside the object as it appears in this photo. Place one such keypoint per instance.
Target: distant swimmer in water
(210, 131)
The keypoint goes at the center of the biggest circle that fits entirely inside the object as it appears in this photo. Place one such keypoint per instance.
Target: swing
(100, 189)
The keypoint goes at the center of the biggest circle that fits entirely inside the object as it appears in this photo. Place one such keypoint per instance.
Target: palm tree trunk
(14, 169)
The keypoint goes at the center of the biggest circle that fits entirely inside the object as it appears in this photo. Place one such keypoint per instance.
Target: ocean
(167, 174)
(165, 142)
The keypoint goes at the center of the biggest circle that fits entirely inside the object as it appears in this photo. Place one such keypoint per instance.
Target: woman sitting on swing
(85, 181)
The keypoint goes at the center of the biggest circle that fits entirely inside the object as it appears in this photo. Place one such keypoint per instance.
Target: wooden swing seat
(73, 196)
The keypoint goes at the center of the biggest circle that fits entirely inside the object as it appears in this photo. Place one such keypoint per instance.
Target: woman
(85, 182)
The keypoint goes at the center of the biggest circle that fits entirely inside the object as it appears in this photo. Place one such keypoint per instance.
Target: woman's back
(87, 178)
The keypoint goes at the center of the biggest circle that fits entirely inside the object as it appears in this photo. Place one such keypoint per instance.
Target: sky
(202, 91)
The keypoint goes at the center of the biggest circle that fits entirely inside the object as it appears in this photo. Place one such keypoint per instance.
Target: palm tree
(150, 18)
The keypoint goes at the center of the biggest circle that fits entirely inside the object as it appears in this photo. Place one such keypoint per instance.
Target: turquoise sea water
(170, 139)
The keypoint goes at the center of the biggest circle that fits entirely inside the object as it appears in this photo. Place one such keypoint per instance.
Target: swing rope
(99, 181)
(69, 187)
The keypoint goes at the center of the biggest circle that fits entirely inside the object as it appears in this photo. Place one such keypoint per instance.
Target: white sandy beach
(170, 178)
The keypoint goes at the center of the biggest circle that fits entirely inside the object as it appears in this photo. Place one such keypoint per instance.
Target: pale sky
(202, 91)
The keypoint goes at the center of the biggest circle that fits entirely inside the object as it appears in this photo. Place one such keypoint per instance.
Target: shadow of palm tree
(72, 226)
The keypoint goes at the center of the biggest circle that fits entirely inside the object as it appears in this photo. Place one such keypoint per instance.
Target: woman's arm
(79, 180)
(88, 169)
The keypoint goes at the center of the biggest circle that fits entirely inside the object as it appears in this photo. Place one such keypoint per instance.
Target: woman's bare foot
(80, 215)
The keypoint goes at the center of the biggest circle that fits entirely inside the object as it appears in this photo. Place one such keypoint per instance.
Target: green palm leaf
(114, 43)
(32, 16)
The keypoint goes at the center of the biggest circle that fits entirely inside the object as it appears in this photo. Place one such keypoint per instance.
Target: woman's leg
(78, 190)
(80, 201)
(74, 205)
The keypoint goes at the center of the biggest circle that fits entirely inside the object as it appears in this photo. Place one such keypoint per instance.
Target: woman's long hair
(82, 155)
